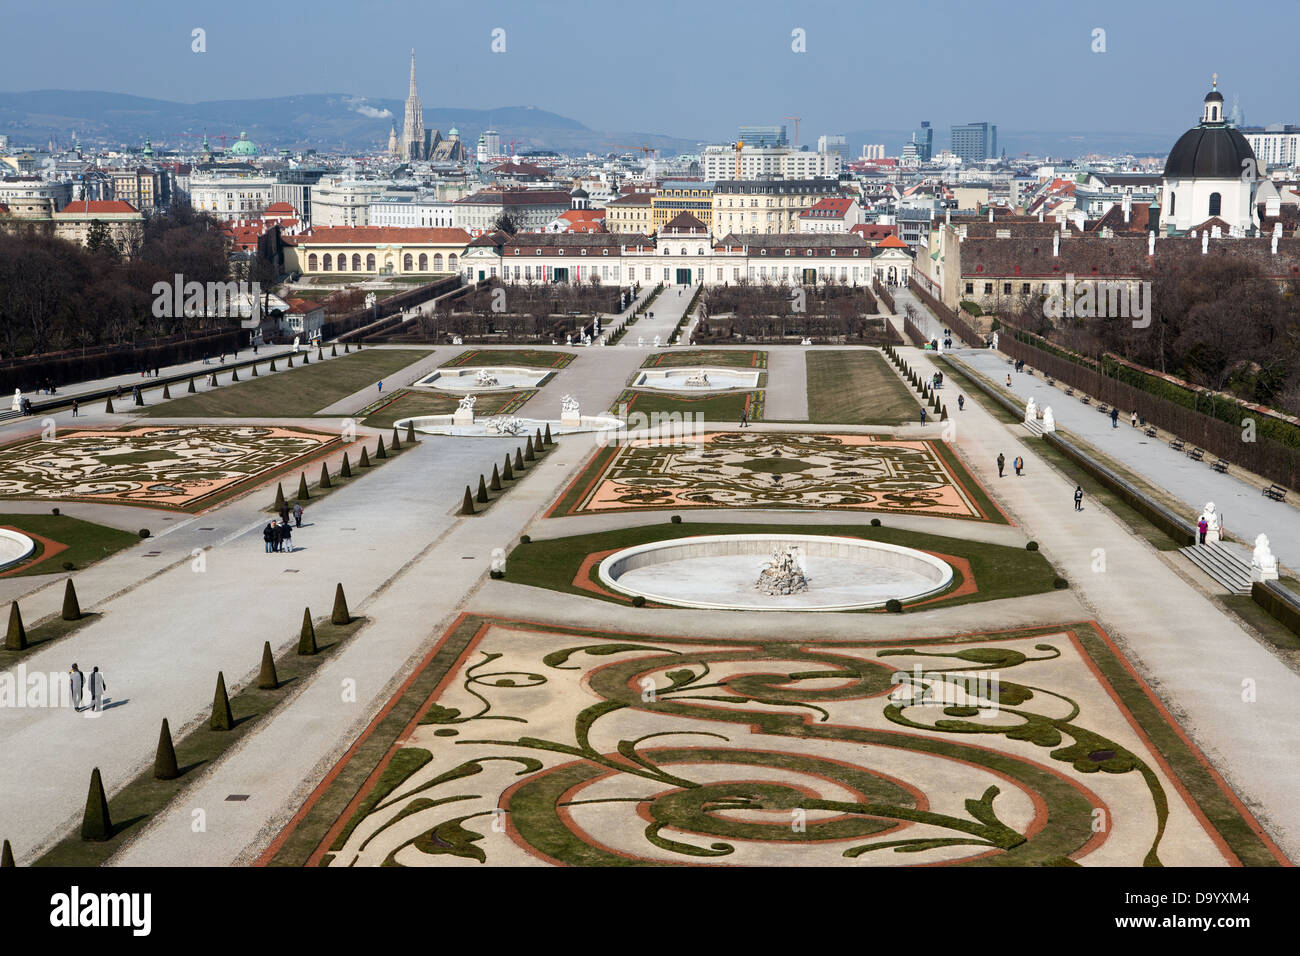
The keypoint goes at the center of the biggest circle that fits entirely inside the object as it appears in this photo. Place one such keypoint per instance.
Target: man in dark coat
(97, 688)
(268, 534)
(78, 679)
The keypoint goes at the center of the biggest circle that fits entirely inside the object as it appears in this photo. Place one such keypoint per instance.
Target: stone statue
(699, 380)
(656, 341)
(568, 339)
(1212, 522)
(995, 341)
(1263, 563)
(464, 414)
(17, 404)
(640, 341)
(569, 410)
(485, 379)
(784, 573)
(296, 339)
(457, 340)
(1031, 411)
(506, 425)
(468, 402)
(1049, 420)
(498, 566)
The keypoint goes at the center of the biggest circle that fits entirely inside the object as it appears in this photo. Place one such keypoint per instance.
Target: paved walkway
(786, 395)
(1195, 655)
(1246, 512)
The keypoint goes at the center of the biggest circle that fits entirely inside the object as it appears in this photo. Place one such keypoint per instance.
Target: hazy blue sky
(692, 68)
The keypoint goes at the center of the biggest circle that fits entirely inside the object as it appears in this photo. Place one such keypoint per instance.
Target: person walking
(97, 688)
(381, 386)
(284, 512)
(961, 403)
(78, 680)
(297, 515)
(1008, 380)
(1114, 418)
(1002, 463)
(277, 538)
(268, 536)
(744, 417)
(75, 408)
(1018, 465)
(1078, 498)
(287, 532)
(923, 418)
(1134, 418)
(1202, 529)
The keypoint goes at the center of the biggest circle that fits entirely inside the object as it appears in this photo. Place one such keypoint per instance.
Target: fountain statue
(485, 379)
(569, 416)
(699, 380)
(1049, 420)
(464, 414)
(498, 566)
(656, 341)
(1263, 563)
(994, 346)
(784, 573)
(506, 425)
(1213, 520)
(18, 400)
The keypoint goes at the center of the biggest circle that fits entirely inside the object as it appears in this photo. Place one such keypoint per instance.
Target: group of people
(279, 536)
(81, 682)
(1018, 464)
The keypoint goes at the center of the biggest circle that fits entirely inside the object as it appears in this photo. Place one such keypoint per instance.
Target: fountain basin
(15, 548)
(680, 379)
(465, 379)
(446, 425)
(719, 572)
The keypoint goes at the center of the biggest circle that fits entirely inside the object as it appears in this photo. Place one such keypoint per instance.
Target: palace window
(1216, 204)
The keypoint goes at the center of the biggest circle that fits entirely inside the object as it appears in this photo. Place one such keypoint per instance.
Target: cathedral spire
(412, 93)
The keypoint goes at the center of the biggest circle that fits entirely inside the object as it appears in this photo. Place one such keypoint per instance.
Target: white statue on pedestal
(1212, 522)
(656, 341)
(1031, 411)
(569, 415)
(18, 401)
(465, 411)
(1049, 420)
(296, 338)
(1263, 563)
(457, 340)
(640, 341)
(568, 340)
(995, 341)
(498, 566)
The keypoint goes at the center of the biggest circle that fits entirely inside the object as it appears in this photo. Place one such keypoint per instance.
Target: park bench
(1151, 431)
(1028, 370)
(1051, 381)
(1103, 408)
(1085, 399)
(1176, 444)
(1276, 492)
(1069, 390)
(1196, 454)
(1220, 466)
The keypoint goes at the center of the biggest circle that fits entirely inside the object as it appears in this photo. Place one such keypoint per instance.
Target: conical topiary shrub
(302, 487)
(365, 458)
(307, 639)
(289, 363)
(191, 389)
(537, 442)
(305, 359)
(346, 470)
(346, 349)
(164, 761)
(272, 368)
(222, 718)
(467, 504)
(167, 392)
(528, 450)
(547, 437)
(396, 443)
(108, 407)
(254, 372)
(334, 350)
(279, 497)
(234, 375)
(320, 354)
(7, 857)
(95, 823)
(324, 477)
(410, 432)
(508, 473)
(212, 380)
(519, 461)
(495, 484)
(16, 638)
(381, 452)
(139, 397)
(71, 606)
(340, 614)
(482, 496)
(267, 679)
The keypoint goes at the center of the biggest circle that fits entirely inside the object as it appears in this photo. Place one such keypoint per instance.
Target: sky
(692, 69)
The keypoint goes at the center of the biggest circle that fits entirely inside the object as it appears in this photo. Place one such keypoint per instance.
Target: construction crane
(738, 146)
(796, 128)
(645, 149)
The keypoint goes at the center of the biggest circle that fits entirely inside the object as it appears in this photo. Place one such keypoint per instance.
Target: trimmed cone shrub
(334, 350)
(16, 638)
(234, 375)
(396, 443)
(7, 857)
(324, 477)
(528, 450)
(365, 458)
(212, 380)
(164, 761)
(508, 473)
(410, 433)
(305, 359)
(267, 679)
(519, 460)
(139, 397)
(875, 522)
(222, 718)
(95, 823)
(638, 601)
(302, 487)
(307, 639)
(71, 606)
(537, 442)
(191, 389)
(547, 437)
(495, 484)
(346, 470)
(340, 614)
(320, 354)
(108, 407)
(289, 363)
(272, 365)
(381, 452)
(482, 496)
(1060, 583)
(467, 504)
(279, 497)
(676, 519)
(254, 371)
(346, 348)
(167, 392)
(525, 539)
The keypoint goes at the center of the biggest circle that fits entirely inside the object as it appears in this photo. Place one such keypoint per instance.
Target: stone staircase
(1220, 563)
(1034, 429)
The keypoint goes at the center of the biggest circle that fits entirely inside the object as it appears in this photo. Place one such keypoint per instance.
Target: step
(1034, 429)
(1226, 568)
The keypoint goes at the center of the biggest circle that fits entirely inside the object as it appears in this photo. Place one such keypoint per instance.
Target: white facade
(344, 202)
(719, 162)
(413, 212)
(232, 193)
(1275, 145)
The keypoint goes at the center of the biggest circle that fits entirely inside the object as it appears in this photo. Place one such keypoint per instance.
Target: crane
(645, 149)
(796, 128)
(738, 145)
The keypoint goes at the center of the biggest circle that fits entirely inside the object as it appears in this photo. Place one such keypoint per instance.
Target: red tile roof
(891, 242)
(829, 208)
(82, 207)
(874, 231)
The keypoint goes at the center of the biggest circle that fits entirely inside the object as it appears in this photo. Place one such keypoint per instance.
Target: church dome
(1212, 150)
(243, 146)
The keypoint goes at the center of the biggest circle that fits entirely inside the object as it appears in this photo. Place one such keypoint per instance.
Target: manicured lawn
(299, 392)
(727, 358)
(86, 541)
(532, 358)
(411, 402)
(999, 571)
(719, 407)
(857, 388)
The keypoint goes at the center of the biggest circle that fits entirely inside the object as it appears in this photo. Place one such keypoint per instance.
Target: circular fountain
(484, 378)
(696, 379)
(464, 424)
(15, 547)
(774, 572)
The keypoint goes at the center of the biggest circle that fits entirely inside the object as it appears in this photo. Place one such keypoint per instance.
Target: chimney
(990, 213)
(1273, 244)
(1056, 244)
(1128, 207)
(1040, 213)
(1273, 205)
(1151, 243)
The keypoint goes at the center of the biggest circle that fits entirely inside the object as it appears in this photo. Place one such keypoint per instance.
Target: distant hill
(333, 121)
